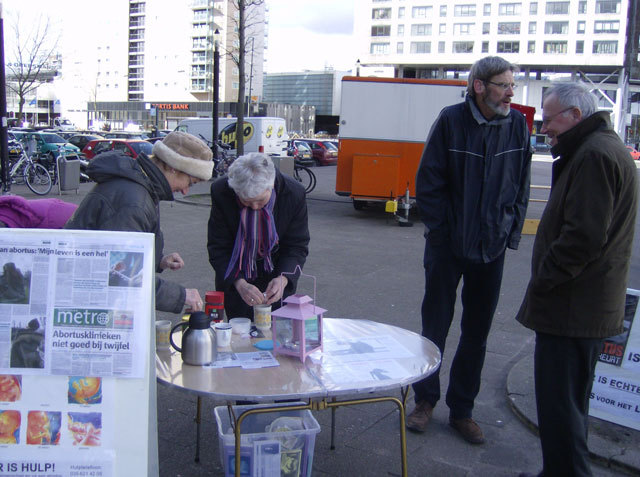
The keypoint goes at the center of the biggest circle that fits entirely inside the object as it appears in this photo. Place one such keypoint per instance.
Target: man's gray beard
(496, 107)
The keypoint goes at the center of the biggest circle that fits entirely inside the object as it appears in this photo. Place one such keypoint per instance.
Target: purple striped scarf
(255, 238)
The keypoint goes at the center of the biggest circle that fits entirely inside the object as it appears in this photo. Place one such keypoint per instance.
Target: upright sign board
(616, 385)
(77, 387)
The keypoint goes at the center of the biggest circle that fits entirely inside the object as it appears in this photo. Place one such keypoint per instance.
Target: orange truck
(384, 123)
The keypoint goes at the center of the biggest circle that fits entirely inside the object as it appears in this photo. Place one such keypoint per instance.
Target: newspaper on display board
(74, 341)
(615, 395)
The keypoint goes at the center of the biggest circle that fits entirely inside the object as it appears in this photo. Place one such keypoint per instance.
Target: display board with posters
(615, 396)
(77, 387)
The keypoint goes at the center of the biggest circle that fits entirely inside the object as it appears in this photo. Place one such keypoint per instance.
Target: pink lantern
(297, 326)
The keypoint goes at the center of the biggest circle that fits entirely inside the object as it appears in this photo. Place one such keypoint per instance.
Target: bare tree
(32, 55)
(246, 19)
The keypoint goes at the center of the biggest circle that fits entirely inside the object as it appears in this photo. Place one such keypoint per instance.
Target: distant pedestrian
(576, 295)
(472, 191)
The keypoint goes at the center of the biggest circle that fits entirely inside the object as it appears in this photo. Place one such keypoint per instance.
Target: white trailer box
(261, 134)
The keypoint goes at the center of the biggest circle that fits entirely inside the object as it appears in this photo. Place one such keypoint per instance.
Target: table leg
(333, 426)
(198, 420)
(403, 434)
(404, 392)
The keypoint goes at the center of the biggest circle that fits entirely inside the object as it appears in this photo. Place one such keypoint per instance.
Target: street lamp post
(250, 80)
(216, 85)
(4, 149)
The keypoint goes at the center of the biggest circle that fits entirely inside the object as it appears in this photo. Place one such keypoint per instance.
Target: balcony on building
(136, 35)
(136, 9)
(136, 22)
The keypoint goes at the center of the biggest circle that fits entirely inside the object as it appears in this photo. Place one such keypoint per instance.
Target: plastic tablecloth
(358, 357)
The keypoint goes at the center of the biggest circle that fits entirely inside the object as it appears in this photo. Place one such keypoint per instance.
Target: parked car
(634, 154)
(542, 147)
(81, 140)
(129, 147)
(300, 151)
(125, 135)
(324, 152)
(14, 147)
(64, 134)
(49, 145)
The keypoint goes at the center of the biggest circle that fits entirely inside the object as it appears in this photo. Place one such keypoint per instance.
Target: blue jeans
(480, 293)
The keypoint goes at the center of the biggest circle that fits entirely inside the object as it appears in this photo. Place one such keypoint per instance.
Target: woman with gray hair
(258, 229)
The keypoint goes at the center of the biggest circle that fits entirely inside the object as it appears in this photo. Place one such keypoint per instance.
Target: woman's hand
(192, 301)
(249, 293)
(275, 289)
(173, 261)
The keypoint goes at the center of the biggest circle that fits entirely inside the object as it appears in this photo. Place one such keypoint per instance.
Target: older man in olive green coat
(580, 262)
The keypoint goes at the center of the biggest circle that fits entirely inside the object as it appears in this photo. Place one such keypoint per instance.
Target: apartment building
(151, 62)
(593, 40)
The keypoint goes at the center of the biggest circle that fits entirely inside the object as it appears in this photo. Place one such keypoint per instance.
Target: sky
(310, 34)
(303, 34)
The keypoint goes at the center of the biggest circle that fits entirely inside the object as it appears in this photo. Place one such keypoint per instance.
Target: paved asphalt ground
(368, 267)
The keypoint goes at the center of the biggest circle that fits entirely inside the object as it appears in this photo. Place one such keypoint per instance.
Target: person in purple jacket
(18, 212)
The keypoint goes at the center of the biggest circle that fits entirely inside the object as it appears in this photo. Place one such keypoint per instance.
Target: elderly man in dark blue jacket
(472, 190)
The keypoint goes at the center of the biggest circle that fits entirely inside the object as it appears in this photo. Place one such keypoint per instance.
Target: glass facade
(315, 89)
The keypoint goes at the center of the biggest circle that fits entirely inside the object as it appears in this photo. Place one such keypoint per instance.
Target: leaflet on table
(74, 304)
(250, 360)
(364, 348)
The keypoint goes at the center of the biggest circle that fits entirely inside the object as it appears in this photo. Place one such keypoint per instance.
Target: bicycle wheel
(38, 179)
(306, 177)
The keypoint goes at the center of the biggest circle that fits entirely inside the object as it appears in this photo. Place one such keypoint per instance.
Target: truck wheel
(359, 204)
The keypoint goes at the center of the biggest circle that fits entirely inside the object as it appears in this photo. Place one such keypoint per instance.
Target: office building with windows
(169, 76)
(595, 41)
(319, 89)
(151, 62)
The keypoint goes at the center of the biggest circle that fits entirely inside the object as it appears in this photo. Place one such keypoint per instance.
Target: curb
(610, 445)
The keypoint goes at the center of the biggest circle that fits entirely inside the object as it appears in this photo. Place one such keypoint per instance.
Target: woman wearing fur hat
(127, 195)
(257, 230)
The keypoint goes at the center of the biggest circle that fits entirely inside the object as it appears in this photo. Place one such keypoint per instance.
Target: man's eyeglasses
(504, 86)
(548, 119)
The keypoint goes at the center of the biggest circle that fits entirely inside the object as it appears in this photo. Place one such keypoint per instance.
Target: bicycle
(223, 160)
(305, 176)
(36, 176)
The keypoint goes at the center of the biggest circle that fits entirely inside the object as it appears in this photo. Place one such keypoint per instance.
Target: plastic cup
(163, 329)
(262, 316)
(223, 334)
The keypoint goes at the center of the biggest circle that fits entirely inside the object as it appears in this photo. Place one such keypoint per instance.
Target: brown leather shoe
(420, 416)
(468, 429)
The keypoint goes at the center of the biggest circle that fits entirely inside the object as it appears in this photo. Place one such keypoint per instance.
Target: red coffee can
(214, 305)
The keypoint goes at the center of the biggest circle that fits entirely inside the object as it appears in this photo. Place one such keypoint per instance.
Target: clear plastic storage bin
(274, 444)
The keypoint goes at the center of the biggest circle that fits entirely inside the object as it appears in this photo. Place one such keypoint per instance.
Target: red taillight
(261, 149)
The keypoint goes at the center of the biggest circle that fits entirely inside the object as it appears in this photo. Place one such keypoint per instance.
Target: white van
(261, 134)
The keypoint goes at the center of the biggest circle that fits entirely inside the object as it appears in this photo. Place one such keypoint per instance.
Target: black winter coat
(472, 186)
(126, 198)
(290, 215)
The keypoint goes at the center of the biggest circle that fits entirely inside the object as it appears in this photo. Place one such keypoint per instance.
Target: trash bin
(68, 172)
